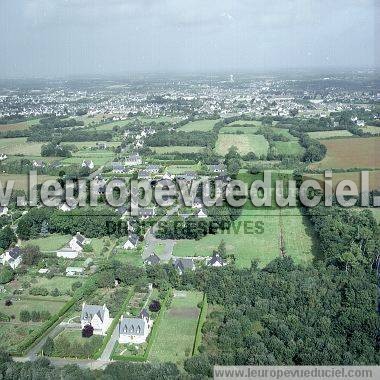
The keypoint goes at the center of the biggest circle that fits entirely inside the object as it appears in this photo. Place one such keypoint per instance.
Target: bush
(6, 275)
(87, 331)
(38, 292)
(8, 303)
(24, 316)
(48, 347)
(55, 293)
(4, 317)
(155, 306)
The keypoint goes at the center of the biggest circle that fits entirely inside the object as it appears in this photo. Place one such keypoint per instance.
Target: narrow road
(107, 352)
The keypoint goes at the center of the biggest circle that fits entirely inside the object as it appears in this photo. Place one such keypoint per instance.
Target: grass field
(14, 333)
(60, 282)
(245, 143)
(374, 178)
(21, 180)
(92, 144)
(289, 147)
(376, 213)
(18, 145)
(350, 153)
(18, 126)
(181, 169)
(198, 125)
(32, 305)
(174, 148)
(78, 160)
(49, 243)
(327, 134)
(176, 333)
(373, 130)
(257, 123)
(245, 241)
(235, 129)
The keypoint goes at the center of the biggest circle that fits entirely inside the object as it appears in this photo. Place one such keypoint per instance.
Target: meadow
(319, 135)
(289, 147)
(19, 145)
(198, 126)
(18, 126)
(181, 316)
(49, 243)
(373, 130)
(350, 153)
(245, 143)
(21, 180)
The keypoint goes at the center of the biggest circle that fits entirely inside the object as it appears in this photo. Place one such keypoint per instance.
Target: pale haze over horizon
(46, 38)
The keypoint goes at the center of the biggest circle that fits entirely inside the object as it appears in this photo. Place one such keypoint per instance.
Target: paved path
(151, 241)
(106, 354)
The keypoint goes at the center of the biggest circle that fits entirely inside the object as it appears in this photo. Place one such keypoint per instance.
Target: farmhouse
(152, 169)
(3, 210)
(132, 242)
(202, 213)
(38, 164)
(143, 174)
(135, 330)
(117, 167)
(216, 260)
(153, 259)
(219, 168)
(88, 164)
(145, 213)
(74, 271)
(97, 316)
(184, 264)
(133, 159)
(12, 257)
(77, 242)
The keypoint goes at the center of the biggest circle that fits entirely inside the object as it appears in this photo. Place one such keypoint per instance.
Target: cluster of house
(130, 329)
(187, 264)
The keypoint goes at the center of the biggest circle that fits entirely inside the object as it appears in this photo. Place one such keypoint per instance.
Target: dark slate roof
(144, 314)
(14, 252)
(184, 264)
(132, 326)
(146, 211)
(133, 238)
(152, 259)
(80, 238)
(216, 258)
(88, 312)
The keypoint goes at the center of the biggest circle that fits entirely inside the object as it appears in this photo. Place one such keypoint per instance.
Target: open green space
(245, 143)
(257, 123)
(198, 126)
(49, 243)
(14, 333)
(21, 180)
(176, 333)
(372, 129)
(329, 134)
(19, 145)
(289, 147)
(180, 169)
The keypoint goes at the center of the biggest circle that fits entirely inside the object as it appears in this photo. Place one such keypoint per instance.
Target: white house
(77, 242)
(3, 210)
(38, 164)
(88, 164)
(67, 253)
(74, 271)
(135, 330)
(132, 242)
(65, 207)
(12, 257)
(202, 213)
(97, 316)
(3, 156)
(133, 159)
(216, 260)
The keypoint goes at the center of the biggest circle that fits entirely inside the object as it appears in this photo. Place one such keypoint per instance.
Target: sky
(58, 38)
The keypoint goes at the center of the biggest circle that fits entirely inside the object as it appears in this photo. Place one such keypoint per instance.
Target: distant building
(117, 167)
(153, 259)
(74, 271)
(88, 164)
(77, 242)
(132, 242)
(133, 159)
(12, 257)
(38, 164)
(67, 253)
(3, 210)
(216, 260)
(3, 156)
(145, 213)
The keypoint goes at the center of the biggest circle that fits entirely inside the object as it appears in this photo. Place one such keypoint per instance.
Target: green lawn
(62, 283)
(235, 129)
(175, 338)
(180, 169)
(373, 130)
(245, 143)
(78, 160)
(199, 125)
(12, 334)
(31, 304)
(289, 147)
(21, 180)
(18, 145)
(257, 123)
(49, 243)
(328, 134)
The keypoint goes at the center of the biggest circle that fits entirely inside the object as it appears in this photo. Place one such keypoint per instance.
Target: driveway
(106, 354)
